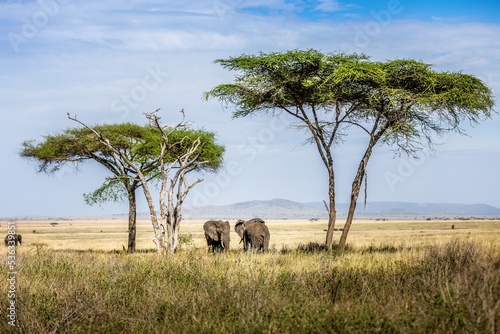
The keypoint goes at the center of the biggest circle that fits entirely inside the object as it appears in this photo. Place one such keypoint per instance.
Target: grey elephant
(254, 234)
(217, 235)
(13, 239)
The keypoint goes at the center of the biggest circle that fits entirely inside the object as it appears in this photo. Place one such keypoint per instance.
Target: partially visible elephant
(254, 234)
(217, 235)
(13, 239)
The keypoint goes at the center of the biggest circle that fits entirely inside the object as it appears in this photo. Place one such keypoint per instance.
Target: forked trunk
(358, 180)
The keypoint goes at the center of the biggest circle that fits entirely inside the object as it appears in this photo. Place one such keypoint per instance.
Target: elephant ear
(239, 227)
(211, 230)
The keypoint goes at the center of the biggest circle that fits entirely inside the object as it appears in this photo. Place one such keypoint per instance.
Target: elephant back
(257, 220)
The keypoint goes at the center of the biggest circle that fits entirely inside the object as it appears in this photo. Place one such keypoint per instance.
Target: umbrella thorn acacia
(140, 144)
(402, 103)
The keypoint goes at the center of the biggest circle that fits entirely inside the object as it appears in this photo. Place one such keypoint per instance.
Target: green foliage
(111, 191)
(141, 145)
(404, 99)
(285, 80)
(210, 152)
(76, 145)
(186, 239)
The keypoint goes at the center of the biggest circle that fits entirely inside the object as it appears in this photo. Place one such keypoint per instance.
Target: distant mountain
(282, 209)
(285, 209)
(272, 209)
(408, 208)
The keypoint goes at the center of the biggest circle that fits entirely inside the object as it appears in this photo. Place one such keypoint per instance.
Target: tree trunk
(332, 212)
(358, 180)
(356, 186)
(132, 219)
(119, 156)
(173, 226)
(175, 236)
(159, 239)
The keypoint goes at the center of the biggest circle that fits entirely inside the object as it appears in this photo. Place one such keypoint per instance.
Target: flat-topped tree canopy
(404, 91)
(141, 143)
(402, 102)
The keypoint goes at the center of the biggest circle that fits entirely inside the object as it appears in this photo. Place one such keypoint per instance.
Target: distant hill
(272, 209)
(286, 209)
(419, 209)
(282, 209)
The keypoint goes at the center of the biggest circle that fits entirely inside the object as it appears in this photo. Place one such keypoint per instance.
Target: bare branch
(126, 161)
(326, 206)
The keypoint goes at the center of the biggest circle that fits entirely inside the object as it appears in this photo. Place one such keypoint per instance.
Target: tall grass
(448, 288)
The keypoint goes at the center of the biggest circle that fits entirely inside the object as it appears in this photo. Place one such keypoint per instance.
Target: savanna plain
(405, 276)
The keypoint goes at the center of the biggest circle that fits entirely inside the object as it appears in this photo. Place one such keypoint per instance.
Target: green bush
(186, 239)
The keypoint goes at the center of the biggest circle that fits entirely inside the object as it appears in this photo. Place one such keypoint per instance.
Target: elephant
(254, 234)
(13, 239)
(217, 235)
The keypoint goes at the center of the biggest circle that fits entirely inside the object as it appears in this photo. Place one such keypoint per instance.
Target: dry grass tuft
(445, 281)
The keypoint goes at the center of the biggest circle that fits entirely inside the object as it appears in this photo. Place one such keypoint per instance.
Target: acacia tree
(180, 152)
(401, 103)
(78, 145)
(129, 151)
(408, 105)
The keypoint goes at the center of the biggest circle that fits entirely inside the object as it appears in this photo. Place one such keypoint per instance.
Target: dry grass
(395, 277)
(112, 234)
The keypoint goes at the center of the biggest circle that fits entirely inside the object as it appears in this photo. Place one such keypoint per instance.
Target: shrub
(186, 239)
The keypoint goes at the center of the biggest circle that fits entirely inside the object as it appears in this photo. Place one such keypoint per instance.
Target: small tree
(401, 103)
(140, 144)
(180, 152)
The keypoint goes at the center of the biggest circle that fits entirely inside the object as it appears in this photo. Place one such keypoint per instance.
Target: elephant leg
(266, 244)
(245, 243)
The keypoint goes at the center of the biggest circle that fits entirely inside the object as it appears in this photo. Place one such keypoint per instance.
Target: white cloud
(329, 6)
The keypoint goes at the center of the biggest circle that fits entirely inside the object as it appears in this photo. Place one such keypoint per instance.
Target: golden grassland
(395, 277)
(111, 234)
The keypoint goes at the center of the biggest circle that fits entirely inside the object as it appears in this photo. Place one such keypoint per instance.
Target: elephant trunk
(220, 238)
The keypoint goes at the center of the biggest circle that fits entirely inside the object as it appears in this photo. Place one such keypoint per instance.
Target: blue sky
(111, 61)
